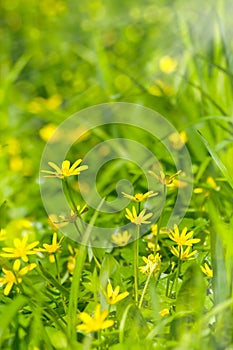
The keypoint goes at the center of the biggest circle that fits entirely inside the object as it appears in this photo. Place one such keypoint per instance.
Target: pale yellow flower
(14, 277)
(183, 238)
(121, 239)
(95, 323)
(139, 219)
(66, 170)
(164, 179)
(2, 234)
(139, 197)
(182, 254)
(164, 312)
(178, 140)
(167, 64)
(21, 249)
(112, 295)
(207, 270)
(153, 263)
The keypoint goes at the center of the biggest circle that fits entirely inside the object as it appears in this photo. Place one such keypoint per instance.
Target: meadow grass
(152, 291)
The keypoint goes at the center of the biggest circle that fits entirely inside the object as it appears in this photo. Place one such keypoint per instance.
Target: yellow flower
(153, 263)
(112, 295)
(167, 64)
(51, 249)
(164, 312)
(71, 259)
(160, 89)
(207, 270)
(95, 323)
(178, 140)
(47, 131)
(54, 222)
(184, 238)
(14, 277)
(121, 239)
(139, 219)
(211, 185)
(21, 250)
(73, 215)
(183, 255)
(2, 234)
(164, 179)
(139, 197)
(66, 170)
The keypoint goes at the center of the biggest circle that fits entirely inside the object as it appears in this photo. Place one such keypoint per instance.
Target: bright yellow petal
(54, 166)
(75, 165)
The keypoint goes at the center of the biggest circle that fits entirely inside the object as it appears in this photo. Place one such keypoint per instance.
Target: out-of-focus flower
(66, 170)
(153, 263)
(72, 259)
(121, 239)
(139, 197)
(210, 185)
(21, 249)
(164, 312)
(164, 179)
(159, 88)
(139, 219)
(15, 276)
(207, 270)
(2, 234)
(178, 140)
(47, 131)
(95, 323)
(167, 64)
(112, 295)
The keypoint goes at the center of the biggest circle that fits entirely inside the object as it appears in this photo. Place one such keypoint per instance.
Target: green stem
(75, 286)
(146, 285)
(136, 252)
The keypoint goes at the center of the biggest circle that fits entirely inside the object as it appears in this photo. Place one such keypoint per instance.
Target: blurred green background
(58, 57)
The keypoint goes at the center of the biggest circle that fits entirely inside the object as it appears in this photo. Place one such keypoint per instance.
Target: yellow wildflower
(184, 238)
(160, 89)
(178, 140)
(47, 131)
(51, 249)
(211, 186)
(72, 259)
(139, 197)
(95, 323)
(167, 64)
(54, 222)
(164, 179)
(112, 295)
(21, 250)
(153, 263)
(164, 312)
(66, 170)
(207, 270)
(139, 219)
(14, 277)
(183, 255)
(73, 215)
(2, 234)
(121, 239)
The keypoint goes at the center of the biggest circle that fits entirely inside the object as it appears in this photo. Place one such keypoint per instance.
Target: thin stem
(136, 252)
(146, 285)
